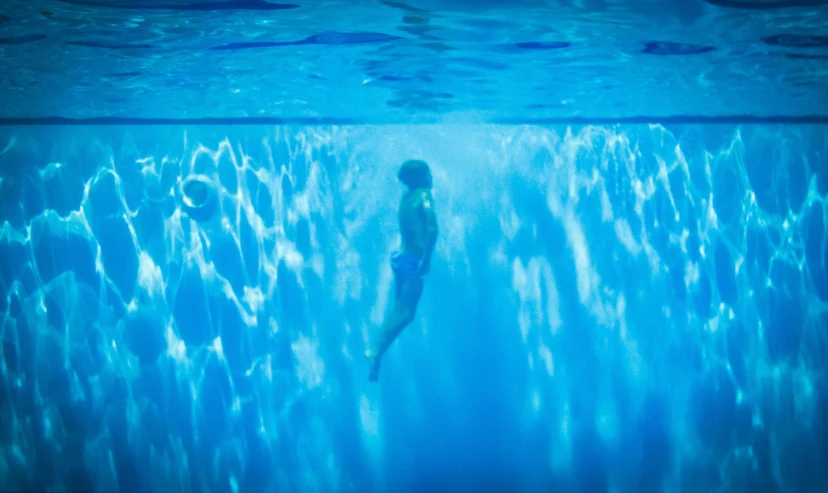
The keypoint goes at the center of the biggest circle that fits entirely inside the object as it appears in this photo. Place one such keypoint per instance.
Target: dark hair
(414, 173)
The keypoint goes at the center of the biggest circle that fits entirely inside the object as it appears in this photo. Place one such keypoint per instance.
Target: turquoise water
(384, 61)
(628, 308)
(628, 293)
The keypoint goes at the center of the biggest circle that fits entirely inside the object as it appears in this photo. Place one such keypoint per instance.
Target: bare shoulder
(424, 198)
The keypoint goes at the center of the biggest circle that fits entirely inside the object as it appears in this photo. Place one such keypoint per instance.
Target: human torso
(413, 227)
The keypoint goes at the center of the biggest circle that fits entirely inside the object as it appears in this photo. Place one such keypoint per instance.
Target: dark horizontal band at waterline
(447, 119)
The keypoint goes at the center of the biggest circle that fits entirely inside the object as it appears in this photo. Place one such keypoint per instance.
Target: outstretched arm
(430, 223)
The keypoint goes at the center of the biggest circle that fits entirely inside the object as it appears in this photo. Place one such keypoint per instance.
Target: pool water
(388, 61)
(198, 203)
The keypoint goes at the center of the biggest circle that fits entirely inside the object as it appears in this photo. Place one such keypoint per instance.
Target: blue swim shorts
(405, 265)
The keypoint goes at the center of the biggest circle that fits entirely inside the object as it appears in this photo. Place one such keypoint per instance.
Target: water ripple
(595, 290)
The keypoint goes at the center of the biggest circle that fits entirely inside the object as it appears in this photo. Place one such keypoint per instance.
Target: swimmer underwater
(418, 231)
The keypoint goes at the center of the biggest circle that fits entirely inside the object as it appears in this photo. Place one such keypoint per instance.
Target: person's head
(415, 173)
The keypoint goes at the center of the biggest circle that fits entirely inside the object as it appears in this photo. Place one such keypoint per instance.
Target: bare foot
(373, 366)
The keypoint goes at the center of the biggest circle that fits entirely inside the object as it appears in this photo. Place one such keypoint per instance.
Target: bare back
(417, 223)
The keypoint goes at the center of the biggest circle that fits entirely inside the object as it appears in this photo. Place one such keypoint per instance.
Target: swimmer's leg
(407, 297)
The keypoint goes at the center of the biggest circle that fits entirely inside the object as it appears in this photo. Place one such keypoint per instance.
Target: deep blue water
(407, 61)
(198, 204)
(610, 308)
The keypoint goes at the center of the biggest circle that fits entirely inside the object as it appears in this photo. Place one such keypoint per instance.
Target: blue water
(198, 205)
(390, 61)
(627, 308)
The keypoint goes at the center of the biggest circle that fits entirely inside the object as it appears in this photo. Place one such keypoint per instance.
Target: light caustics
(194, 315)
